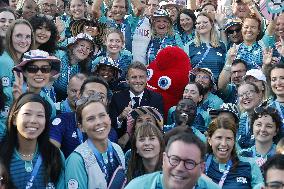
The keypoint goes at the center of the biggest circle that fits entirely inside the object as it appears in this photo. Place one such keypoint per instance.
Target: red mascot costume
(168, 75)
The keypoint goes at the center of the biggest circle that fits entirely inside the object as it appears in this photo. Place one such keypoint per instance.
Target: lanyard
(80, 135)
(280, 111)
(101, 161)
(268, 154)
(225, 173)
(66, 106)
(79, 132)
(204, 56)
(34, 173)
(247, 125)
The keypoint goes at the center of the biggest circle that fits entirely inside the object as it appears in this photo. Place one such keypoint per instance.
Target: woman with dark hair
(265, 125)
(37, 67)
(7, 16)
(4, 176)
(147, 146)
(223, 165)
(186, 25)
(45, 33)
(31, 159)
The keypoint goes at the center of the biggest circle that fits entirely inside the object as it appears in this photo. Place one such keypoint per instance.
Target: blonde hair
(110, 31)
(214, 39)
(169, 32)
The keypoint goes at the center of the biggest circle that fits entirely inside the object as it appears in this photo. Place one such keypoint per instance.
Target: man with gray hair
(48, 7)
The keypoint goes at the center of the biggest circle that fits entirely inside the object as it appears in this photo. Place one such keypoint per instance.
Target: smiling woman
(265, 123)
(223, 165)
(147, 147)
(27, 150)
(105, 159)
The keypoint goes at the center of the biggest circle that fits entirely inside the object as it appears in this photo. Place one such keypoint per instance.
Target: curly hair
(42, 21)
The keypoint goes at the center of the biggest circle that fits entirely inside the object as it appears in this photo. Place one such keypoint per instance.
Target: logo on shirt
(56, 121)
(74, 134)
(5, 81)
(242, 180)
(50, 185)
(73, 184)
(5, 112)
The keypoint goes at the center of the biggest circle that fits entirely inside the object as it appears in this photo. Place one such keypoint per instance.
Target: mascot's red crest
(168, 75)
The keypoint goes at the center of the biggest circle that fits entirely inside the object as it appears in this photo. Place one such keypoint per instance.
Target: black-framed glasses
(35, 69)
(237, 30)
(262, 109)
(189, 164)
(274, 185)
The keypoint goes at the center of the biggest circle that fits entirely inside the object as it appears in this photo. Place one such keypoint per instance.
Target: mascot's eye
(164, 82)
(149, 74)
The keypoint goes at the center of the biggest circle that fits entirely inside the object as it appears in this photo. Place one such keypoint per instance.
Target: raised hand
(125, 112)
(267, 56)
(18, 84)
(59, 25)
(232, 53)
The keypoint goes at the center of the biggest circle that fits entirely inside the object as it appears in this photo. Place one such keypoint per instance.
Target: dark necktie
(136, 104)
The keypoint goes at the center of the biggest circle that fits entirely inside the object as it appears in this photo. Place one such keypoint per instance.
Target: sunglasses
(264, 109)
(235, 30)
(35, 69)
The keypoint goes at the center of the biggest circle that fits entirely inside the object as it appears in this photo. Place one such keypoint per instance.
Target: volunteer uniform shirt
(156, 44)
(258, 158)
(214, 60)
(20, 176)
(245, 176)
(66, 72)
(245, 138)
(155, 181)
(63, 129)
(6, 67)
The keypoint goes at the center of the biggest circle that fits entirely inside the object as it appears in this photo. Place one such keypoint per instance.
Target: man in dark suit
(124, 101)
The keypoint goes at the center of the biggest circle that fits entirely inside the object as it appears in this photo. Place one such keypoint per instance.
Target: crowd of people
(77, 110)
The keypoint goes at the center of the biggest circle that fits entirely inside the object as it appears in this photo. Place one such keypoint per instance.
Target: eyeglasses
(47, 5)
(247, 94)
(262, 109)
(235, 30)
(93, 97)
(274, 185)
(189, 164)
(35, 69)
(203, 77)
